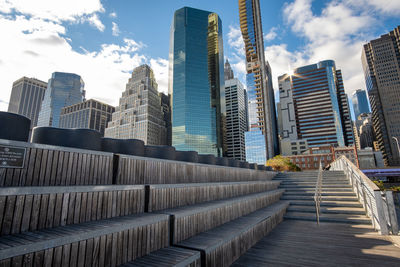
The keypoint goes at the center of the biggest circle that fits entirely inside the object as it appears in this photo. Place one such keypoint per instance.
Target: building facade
(26, 98)
(166, 109)
(360, 103)
(90, 114)
(196, 82)
(261, 103)
(63, 89)
(381, 64)
(236, 115)
(314, 106)
(139, 114)
(310, 159)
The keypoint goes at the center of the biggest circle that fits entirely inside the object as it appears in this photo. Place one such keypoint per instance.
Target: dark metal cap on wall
(161, 152)
(14, 127)
(133, 147)
(188, 156)
(77, 138)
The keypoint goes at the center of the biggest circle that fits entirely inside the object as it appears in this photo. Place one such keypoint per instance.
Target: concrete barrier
(132, 147)
(187, 156)
(160, 152)
(207, 159)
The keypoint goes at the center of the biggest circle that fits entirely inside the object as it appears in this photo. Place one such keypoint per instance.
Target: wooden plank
(38, 258)
(66, 253)
(17, 261)
(8, 215)
(64, 209)
(26, 215)
(48, 257)
(94, 206)
(18, 211)
(28, 260)
(43, 211)
(102, 251)
(96, 251)
(89, 206)
(58, 210)
(43, 167)
(54, 168)
(77, 207)
(89, 252)
(33, 225)
(50, 211)
(82, 215)
(81, 253)
(108, 251)
(114, 249)
(60, 168)
(74, 254)
(57, 256)
(36, 170)
(49, 165)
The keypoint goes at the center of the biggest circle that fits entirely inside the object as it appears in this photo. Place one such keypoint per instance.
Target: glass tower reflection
(64, 89)
(196, 81)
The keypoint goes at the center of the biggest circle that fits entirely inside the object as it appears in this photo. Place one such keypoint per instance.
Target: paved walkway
(304, 243)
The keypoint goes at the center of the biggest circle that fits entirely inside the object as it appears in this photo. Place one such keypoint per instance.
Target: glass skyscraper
(360, 102)
(63, 89)
(314, 106)
(262, 139)
(196, 82)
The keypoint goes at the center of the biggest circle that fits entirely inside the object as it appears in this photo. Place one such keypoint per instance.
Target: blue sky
(104, 40)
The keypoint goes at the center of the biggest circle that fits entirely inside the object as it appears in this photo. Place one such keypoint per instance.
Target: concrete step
(338, 218)
(354, 204)
(336, 210)
(344, 186)
(323, 193)
(170, 256)
(324, 198)
(312, 189)
(223, 245)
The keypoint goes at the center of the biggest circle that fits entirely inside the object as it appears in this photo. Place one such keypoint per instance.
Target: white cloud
(337, 33)
(160, 68)
(115, 29)
(271, 35)
(59, 10)
(236, 53)
(36, 48)
(113, 15)
(385, 7)
(95, 21)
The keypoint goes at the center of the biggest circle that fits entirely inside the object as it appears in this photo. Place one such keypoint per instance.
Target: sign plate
(12, 157)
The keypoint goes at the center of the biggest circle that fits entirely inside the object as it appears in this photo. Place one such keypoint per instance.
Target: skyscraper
(360, 103)
(139, 114)
(236, 115)
(63, 89)
(196, 81)
(26, 98)
(90, 114)
(381, 63)
(262, 138)
(314, 106)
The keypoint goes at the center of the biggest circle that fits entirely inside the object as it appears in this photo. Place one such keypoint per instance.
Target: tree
(279, 163)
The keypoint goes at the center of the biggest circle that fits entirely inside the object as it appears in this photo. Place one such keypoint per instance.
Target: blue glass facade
(255, 147)
(63, 89)
(196, 81)
(360, 103)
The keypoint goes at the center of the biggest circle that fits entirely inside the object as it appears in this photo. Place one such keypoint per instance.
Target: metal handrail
(317, 194)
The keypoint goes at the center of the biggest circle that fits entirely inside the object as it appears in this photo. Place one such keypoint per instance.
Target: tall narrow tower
(196, 81)
(262, 138)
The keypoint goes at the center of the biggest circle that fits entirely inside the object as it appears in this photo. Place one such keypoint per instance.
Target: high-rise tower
(236, 115)
(139, 114)
(360, 103)
(26, 98)
(314, 106)
(381, 64)
(262, 139)
(63, 89)
(196, 81)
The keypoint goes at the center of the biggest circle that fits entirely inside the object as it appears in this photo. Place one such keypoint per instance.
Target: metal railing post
(317, 194)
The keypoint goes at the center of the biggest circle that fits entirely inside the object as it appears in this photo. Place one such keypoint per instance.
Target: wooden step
(170, 256)
(324, 198)
(222, 245)
(166, 196)
(105, 242)
(37, 207)
(323, 193)
(191, 220)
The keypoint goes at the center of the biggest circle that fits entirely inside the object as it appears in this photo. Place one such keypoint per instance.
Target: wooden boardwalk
(304, 243)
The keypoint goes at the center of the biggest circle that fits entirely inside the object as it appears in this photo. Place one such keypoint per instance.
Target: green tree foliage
(279, 163)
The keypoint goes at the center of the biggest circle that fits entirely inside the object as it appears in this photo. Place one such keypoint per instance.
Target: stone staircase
(139, 213)
(339, 202)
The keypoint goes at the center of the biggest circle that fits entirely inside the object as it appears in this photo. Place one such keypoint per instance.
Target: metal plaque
(12, 157)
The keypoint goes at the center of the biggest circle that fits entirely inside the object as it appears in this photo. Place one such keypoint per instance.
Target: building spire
(228, 72)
